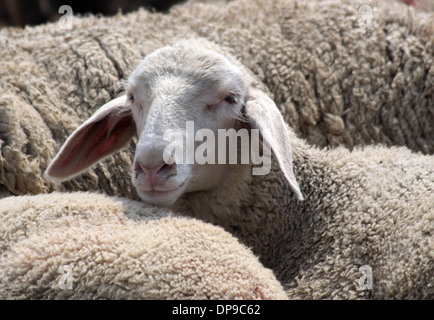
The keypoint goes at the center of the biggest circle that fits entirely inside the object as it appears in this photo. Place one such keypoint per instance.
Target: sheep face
(175, 95)
(179, 99)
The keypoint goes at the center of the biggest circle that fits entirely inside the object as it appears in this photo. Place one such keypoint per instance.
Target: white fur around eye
(130, 98)
(135, 105)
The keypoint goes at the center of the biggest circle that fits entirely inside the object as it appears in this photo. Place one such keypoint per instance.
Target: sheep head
(184, 102)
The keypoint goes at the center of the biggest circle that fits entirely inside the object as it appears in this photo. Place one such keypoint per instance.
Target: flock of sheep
(346, 112)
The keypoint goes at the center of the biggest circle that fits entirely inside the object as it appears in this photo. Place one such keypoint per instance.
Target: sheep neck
(261, 211)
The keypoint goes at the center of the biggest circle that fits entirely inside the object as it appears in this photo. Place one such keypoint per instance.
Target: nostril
(162, 168)
(142, 168)
(166, 168)
(151, 173)
(155, 170)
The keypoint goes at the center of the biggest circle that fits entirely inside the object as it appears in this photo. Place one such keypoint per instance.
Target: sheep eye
(131, 98)
(230, 99)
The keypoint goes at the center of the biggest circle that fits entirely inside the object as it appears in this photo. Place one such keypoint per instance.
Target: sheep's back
(115, 248)
(335, 83)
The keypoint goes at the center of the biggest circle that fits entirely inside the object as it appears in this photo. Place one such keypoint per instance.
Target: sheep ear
(110, 128)
(262, 113)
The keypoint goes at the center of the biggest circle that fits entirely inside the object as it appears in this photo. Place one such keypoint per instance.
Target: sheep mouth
(157, 191)
(161, 197)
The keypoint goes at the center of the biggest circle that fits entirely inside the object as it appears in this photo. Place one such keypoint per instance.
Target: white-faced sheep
(334, 82)
(90, 246)
(371, 206)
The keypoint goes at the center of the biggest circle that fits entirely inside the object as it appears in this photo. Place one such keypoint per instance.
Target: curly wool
(369, 207)
(335, 83)
(121, 249)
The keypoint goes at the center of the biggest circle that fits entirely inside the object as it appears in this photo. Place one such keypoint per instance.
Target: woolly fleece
(335, 83)
(121, 249)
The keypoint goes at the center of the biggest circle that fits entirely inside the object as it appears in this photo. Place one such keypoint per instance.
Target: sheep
(335, 83)
(277, 41)
(115, 248)
(369, 207)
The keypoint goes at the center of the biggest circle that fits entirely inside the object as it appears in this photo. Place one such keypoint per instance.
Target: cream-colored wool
(372, 206)
(352, 215)
(336, 84)
(120, 249)
(368, 207)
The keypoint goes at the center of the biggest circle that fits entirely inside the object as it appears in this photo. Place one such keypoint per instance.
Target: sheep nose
(161, 170)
